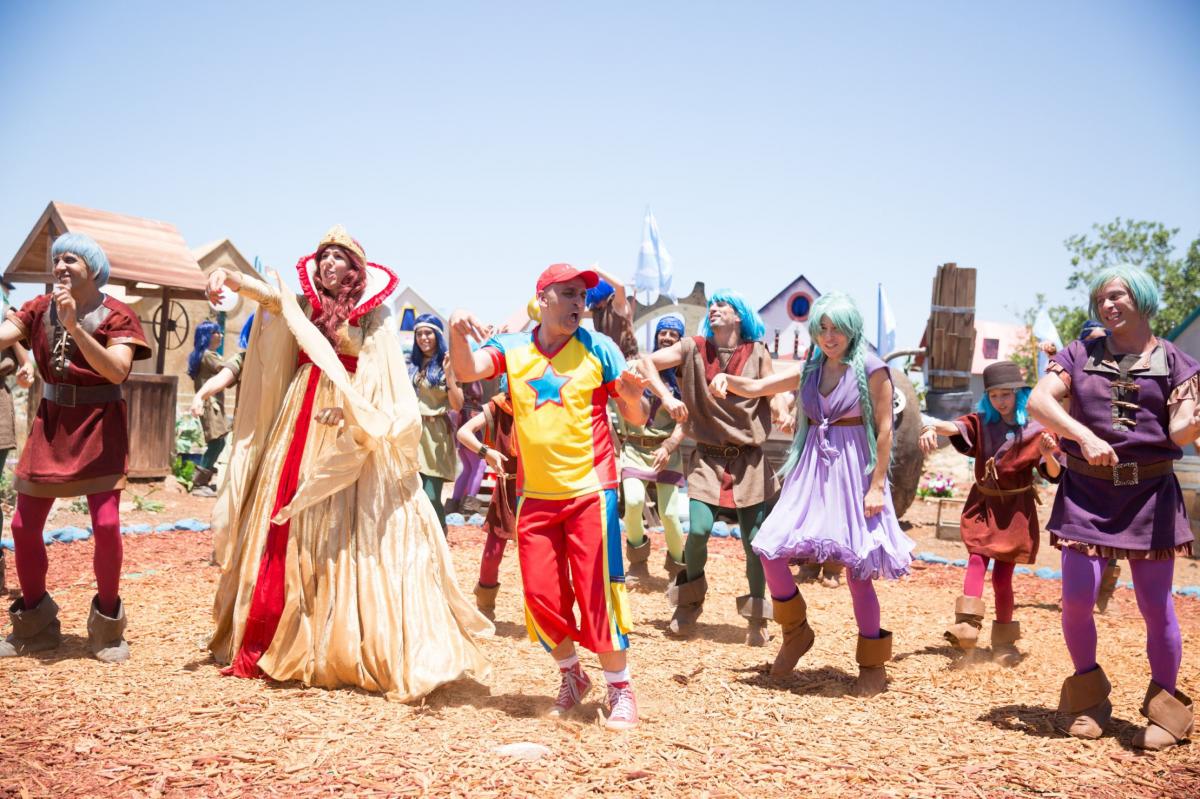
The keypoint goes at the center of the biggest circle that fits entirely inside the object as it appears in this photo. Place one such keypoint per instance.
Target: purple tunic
(1139, 518)
(819, 514)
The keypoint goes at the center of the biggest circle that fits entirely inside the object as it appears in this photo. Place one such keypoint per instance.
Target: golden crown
(337, 235)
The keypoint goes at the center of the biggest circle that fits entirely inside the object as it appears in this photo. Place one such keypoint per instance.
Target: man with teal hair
(728, 470)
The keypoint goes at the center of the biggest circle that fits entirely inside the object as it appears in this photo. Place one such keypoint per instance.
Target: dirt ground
(714, 723)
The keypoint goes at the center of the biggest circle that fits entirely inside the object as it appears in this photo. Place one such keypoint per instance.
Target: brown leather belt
(1123, 474)
(69, 395)
(1004, 492)
(728, 452)
(854, 421)
(646, 442)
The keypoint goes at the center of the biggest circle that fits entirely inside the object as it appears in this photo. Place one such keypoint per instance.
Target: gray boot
(757, 612)
(106, 636)
(687, 598)
(34, 630)
(637, 568)
(202, 482)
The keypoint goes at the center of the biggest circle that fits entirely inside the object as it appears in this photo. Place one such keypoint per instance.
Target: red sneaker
(622, 707)
(574, 687)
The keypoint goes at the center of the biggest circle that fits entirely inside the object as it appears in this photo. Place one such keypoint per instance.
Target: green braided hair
(841, 311)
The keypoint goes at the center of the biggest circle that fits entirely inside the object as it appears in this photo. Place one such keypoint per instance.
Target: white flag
(654, 269)
(1044, 330)
(885, 339)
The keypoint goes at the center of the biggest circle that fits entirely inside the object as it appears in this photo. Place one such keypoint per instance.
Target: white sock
(615, 677)
(569, 662)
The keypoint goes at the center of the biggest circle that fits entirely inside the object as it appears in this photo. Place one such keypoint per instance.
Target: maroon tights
(28, 524)
(489, 566)
(1002, 576)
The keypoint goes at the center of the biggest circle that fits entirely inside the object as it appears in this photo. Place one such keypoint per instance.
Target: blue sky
(470, 144)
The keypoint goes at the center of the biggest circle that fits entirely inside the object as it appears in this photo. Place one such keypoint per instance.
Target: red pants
(570, 552)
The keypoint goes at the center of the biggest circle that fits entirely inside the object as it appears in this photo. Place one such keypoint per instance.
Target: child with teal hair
(835, 504)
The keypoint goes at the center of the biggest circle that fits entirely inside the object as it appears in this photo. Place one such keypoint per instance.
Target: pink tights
(28, 524)
(862, 594)
(1002, 577)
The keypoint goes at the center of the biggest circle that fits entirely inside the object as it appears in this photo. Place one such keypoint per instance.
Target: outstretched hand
(928, 440)
(467, 325)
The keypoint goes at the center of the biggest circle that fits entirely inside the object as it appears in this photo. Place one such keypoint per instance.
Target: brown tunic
(74, 450)
(746, 479)
(1003, 527)
(501, 518)
(8, 427)
(213, 422)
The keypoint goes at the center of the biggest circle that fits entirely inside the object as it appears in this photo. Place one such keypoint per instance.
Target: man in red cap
(560, 377)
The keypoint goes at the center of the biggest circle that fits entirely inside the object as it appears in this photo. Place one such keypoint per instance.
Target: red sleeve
(499, 363)
(29, 315)
(970, 431)
(122, 326)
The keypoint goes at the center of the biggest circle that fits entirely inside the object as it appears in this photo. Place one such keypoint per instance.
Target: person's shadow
(717, 633)
(825, 681)
(1040, 722)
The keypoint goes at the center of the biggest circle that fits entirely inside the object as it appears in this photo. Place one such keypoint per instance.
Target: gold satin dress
(371, 599)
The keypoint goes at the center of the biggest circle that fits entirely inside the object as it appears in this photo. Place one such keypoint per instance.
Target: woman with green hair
(835, 504)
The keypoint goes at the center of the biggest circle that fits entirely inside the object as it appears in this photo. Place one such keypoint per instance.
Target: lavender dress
(819, 515)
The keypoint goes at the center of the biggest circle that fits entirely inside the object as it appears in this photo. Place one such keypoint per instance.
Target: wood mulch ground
(714, 723)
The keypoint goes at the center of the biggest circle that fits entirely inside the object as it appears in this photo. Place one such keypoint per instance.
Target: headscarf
(431, 369)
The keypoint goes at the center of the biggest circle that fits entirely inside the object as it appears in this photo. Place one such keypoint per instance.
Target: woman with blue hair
(611, 312)
(84, 343)
(438, 393)
(999, 518)
(836, 503)
(229, 374)
(729, 470)
(204, 364)
(650, 454)
(1133, 406)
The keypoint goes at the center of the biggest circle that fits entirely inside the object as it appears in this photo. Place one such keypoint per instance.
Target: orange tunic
(1003, 527)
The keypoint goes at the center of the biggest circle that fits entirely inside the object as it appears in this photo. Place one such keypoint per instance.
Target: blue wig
(752, 324)
(991, 415)
(204, 333)
(598, 294)
(244, 338)
(432, 370)
(87, 249)
(1146, 297)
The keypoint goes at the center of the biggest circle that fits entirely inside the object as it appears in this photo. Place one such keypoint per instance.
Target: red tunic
(1001, 527)
(502, 511)
(83, 449)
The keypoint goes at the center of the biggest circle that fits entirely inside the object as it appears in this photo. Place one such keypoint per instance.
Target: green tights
(695, 555)
(432, 486)
(635, 503)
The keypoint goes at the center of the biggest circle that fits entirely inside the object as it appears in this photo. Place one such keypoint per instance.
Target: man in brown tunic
(728, 469)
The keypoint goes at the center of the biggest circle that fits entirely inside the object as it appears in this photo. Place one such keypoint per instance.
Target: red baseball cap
(561, 273)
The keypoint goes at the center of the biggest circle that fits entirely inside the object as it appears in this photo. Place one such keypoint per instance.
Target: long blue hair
(990, 414)
(204, 333)
(752, 324)
(668, 375)
(431, 369)
(244, 338)
(845, 316)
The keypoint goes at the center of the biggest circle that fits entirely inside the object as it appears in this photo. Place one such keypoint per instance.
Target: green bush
(189, 436)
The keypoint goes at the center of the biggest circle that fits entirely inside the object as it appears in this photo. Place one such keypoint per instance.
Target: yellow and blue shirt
(559, 402)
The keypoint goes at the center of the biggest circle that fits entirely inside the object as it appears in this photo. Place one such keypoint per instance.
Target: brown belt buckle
(64, 394)
(1130, 472)
(730, 452)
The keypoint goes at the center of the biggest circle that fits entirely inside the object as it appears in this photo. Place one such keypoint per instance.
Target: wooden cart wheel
(175, 317)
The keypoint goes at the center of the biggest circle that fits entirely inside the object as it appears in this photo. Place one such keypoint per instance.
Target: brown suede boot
(1171, 719)
(106, 635)
(798, 636)
(807, 572)
(1084, 704)
(688, 600)
(871, 654)
(1004, 639)
(34, 630)
(636, 568)
(485, 599)
(671, 566)
(1108, 586)
(831, 574)
(757, 612)
(968, 621)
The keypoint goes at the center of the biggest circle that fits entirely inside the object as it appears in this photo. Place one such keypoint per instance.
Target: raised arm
(454, 391)
(256, 290)
(469, 366)
(931, 429)
(649, 366)
(620, 301)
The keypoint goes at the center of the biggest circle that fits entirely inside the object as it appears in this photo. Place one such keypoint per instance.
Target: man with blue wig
(728, 470)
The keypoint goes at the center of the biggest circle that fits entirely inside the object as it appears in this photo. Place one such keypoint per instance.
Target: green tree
(1149, 245)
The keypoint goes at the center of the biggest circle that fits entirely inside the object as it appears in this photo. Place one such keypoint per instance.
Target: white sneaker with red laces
(574, 687)
(622, 707)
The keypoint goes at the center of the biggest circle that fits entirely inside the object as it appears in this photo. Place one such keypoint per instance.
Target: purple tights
(862, 593)
(471, 476)
(1151, 586)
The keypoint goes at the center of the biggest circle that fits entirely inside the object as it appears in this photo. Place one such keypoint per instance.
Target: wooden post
(164, 314)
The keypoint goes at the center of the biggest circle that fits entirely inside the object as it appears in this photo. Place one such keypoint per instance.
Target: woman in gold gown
(334, 569)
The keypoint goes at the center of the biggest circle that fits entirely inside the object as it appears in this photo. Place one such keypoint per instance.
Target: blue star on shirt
(548, 387)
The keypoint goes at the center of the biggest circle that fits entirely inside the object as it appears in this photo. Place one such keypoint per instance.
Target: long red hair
(337, 305)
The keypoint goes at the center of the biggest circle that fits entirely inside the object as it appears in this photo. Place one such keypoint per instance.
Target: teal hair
(990, 414)
(753, 328)
(845, 316)
(86, 248)
(1137, 280)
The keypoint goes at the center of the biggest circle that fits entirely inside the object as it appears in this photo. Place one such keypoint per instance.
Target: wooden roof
(144, 254)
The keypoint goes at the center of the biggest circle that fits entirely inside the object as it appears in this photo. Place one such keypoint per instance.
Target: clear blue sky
(470, 144)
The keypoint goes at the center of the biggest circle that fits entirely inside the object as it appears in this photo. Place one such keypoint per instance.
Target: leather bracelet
(483, 451)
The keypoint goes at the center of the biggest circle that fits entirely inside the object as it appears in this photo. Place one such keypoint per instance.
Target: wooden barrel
(151, 403)
(1188, 472)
